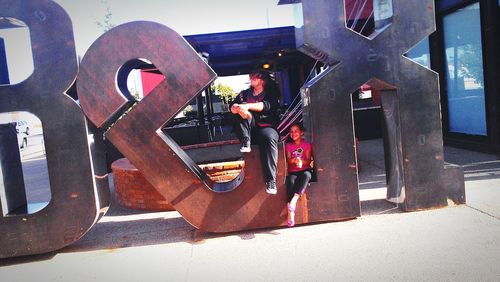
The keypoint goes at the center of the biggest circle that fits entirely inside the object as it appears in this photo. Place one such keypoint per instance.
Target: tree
(225, 91)
(106, 24)
(472, 63)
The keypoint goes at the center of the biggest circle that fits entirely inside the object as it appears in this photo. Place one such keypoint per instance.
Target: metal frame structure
(78, 179)
(410, 100)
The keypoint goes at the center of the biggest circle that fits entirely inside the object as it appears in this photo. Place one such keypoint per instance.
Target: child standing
(299, 161)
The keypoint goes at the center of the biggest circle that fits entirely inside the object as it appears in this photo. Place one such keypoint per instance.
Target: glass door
(464, 71)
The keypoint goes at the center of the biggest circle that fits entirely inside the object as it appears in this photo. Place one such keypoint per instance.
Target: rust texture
(162, 162)
(76, 200)
(414, 143)
(414, 130)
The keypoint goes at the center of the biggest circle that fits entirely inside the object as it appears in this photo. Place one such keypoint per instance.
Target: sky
(186, 17)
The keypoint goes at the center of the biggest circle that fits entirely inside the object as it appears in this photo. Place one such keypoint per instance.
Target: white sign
(382, 9)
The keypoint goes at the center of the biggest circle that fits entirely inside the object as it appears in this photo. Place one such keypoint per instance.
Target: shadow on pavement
(378, 206)
(476, 165)
(27, 259)
(123, 228)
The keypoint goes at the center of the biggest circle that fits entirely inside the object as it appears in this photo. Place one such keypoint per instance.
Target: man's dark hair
(270, 85)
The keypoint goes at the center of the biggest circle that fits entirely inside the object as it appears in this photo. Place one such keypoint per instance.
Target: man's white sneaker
(271, 188)
(245, 147)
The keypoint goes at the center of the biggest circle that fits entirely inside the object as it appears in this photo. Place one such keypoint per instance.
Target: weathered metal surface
(162, 162)
(4, 73)
(74, 206)
(79, 189)
(392, 146)
(13, 195)
(328, 117)
(325, 37)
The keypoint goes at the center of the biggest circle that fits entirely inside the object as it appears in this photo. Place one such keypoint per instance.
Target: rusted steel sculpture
(13, 196)
(162, 162)
(78, 189)
(419, 178)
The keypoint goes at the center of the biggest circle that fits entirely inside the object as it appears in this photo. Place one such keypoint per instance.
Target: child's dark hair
(297, 124)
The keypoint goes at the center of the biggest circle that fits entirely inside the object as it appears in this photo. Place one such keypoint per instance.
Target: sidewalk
(459, 243)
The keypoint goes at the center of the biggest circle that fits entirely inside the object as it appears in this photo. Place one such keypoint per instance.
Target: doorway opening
(378, 144)
(26, 188)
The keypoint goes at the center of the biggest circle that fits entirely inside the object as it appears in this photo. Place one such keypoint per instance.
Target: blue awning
(240, 52)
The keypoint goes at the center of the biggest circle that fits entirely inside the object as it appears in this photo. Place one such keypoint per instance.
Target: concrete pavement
(459, 243)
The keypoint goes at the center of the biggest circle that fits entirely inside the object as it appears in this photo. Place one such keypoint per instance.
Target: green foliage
(135, 94)
(472, 63)
(106, 24)
(225, 91)
(189, 111)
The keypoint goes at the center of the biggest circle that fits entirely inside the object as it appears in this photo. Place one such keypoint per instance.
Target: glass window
(464, 71)
(298, 15)
(420, 53)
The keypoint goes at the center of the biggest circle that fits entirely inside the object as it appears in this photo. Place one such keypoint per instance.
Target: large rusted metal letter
(162, 162)
(418, 151)
(75, 203)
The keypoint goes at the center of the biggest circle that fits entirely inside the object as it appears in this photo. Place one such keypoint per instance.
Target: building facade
(464, 50)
